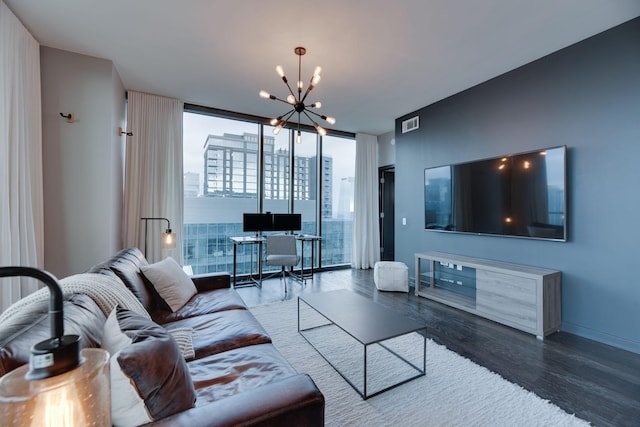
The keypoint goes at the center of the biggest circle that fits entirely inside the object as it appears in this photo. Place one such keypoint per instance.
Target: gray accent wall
(82, 161)
(587, 97)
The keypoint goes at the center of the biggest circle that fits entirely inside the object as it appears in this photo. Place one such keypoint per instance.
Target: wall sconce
(121, 132)
(60, 385)
(168, 238)
(68, 116)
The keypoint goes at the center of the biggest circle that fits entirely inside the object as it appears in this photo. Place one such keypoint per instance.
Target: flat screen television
(517, 195)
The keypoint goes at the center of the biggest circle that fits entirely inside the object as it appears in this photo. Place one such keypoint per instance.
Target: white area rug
(454, 391)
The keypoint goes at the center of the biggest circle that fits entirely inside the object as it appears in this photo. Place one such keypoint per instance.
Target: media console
(520, 296)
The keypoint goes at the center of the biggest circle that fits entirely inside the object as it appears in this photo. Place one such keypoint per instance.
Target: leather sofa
(238, 375)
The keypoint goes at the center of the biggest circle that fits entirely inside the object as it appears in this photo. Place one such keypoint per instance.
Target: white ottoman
(391, 276)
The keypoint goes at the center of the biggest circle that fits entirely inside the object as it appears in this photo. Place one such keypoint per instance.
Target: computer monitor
(256, 222)
(287, 222)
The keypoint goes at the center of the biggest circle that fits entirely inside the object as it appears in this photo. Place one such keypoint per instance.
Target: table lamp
(60, 386)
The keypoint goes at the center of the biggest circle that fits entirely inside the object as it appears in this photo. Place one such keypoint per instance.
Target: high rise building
(191, 184)
(326, 178)
(231, 170)
(345, 199)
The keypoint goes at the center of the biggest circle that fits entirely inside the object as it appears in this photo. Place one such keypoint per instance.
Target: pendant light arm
(281, 100)
(282, 120)
(314, 113)
(290, 113)
(308, 116)
(266, 95)
(309, 89)
(287, 116)
(290, 90)
(323, 117)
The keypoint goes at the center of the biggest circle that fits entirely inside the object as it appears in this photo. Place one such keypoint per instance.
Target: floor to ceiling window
(337, 174)
(220, 183)
(222, 179)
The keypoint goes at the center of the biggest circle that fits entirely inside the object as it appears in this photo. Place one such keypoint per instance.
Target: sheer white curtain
(153, 173)
(21, 201)
(366, 232)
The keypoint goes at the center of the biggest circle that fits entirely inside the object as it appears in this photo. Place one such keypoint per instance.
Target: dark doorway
(387, 212)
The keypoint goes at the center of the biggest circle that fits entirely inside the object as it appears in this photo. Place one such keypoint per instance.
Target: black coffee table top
(360, 317)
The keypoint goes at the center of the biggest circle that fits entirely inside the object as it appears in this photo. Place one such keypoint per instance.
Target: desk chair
(281, 250)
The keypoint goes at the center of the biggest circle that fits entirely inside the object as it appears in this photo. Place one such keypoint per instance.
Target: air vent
(411, 124)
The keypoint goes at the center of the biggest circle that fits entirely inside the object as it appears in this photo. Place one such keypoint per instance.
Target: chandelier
(297, 102)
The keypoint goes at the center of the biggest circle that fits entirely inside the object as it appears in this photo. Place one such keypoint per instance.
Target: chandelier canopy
(297, 102)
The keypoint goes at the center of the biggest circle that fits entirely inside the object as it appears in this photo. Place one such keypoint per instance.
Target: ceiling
(381, 59)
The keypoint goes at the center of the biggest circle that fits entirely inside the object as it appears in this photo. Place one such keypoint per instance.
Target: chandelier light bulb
(316, 104)
(264, 94)
(321, 131)
(317, 71)
(276, 130)
(330, 120)
(315, 80)
(299, 138)
(274, 122)
(280, 71)
(300, 85)
(291, 99)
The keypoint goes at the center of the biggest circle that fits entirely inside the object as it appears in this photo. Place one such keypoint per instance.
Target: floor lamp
(61, 385)
(168, 238)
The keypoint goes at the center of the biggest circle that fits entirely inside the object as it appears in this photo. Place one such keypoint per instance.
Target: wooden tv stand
(520, 296)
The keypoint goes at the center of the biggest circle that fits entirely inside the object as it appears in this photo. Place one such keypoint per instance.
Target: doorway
(386, 175)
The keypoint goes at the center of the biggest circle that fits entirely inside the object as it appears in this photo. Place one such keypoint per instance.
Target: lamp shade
(168, 239)
(79, 397)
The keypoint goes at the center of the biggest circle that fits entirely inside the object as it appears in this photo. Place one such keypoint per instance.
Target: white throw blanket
(106, 291)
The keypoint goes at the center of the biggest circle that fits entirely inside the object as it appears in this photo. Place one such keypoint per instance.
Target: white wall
(387, 149)
(83, 161)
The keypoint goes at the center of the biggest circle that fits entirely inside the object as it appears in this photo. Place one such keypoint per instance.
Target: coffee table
(366, 325)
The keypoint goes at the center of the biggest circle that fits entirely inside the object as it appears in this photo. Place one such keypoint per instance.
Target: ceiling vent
(411, 124)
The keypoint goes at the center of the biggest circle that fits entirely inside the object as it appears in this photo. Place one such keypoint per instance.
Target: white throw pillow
(171, 282)
(127, 407)
(113, 339)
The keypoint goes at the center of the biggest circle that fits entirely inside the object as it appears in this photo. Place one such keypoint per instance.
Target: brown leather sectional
(239, 376)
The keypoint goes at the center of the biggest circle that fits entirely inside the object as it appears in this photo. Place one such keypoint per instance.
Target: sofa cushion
(149, 377)
(170, 281)
(202, 303)
(235, 371)
(218, 332)
(125, 265)
(31, 324)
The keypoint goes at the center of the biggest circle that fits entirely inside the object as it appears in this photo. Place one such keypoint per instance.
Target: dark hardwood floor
(597, 382)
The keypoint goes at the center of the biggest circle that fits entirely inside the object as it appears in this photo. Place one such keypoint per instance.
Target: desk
(248, 240)
(300, 275)
(303, 275)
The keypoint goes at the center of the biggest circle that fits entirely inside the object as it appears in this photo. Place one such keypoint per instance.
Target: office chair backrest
(281, 244)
